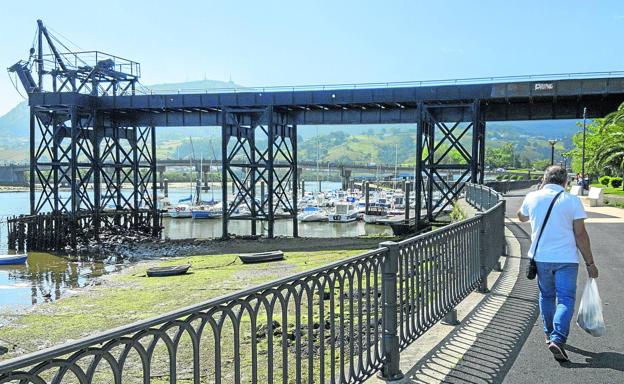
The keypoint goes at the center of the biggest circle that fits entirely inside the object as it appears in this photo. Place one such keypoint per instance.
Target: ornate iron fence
(339, 323)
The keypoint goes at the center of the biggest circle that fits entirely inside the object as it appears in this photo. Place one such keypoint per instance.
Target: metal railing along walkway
(339, 323)
(397, 84)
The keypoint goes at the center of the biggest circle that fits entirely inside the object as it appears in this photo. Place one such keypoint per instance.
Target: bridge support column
(161, 177)
(92, 154)
(440, 130)
(345, 175)
(245, 166)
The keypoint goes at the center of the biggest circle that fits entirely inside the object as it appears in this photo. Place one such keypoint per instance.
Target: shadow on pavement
(597, 360)
(485, 346)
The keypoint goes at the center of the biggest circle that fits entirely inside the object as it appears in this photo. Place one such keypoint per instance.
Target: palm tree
(609, 154)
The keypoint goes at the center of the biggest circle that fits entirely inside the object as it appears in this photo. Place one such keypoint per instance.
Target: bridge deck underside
(562, 99)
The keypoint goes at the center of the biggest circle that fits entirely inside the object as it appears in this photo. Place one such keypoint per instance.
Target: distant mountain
(197, 85)
(16, 122)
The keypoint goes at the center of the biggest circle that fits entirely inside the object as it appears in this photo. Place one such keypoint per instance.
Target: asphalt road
(593, 360)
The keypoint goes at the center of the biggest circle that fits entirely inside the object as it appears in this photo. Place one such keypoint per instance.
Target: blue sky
(321, 42)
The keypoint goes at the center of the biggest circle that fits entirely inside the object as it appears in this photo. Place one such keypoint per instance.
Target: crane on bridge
(90, 72)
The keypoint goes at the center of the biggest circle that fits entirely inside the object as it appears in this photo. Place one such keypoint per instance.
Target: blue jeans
(557, 286)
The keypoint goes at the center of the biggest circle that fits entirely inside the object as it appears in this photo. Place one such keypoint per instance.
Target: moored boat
(261, 257)
(344, 213)
(310, 214)
(375, 213)
(203, 212)
(13, 259)
(168, 271)
(180, 211)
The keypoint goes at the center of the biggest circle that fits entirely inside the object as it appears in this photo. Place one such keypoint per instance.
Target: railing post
(500, 238)
(390, 340)
(483, 252)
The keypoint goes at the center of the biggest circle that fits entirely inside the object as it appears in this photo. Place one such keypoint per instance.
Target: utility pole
(583, 152)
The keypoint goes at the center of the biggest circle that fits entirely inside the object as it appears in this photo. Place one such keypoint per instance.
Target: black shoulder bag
(531, 269)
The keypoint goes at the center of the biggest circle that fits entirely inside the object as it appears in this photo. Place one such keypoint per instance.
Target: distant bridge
(14, 173)
(323, 165)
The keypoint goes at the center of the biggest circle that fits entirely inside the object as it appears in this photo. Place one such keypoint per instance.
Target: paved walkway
(501, 339)
(593, 360)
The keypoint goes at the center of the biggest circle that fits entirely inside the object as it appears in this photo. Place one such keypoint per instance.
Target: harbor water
(46, 277)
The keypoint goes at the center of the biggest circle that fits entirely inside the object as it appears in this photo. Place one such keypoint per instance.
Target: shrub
(499, 177)
(457, 214)
(616, 182)
(604, 180)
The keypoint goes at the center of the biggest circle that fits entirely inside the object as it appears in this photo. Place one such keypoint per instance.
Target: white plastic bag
(590, 310)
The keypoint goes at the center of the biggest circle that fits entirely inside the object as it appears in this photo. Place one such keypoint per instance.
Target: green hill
(15, 123)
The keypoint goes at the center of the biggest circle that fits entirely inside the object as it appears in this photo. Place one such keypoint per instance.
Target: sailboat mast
(191, 165)
(318, 144)
(396, 163)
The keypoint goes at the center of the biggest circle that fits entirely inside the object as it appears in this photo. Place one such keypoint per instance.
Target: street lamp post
(583, 152)
(552, 143)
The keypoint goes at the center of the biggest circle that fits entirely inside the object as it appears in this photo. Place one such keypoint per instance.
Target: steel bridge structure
(94, 128)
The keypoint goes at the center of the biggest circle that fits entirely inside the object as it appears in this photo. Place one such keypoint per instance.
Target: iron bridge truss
(83, 162)
(259, 149)
(437, 140)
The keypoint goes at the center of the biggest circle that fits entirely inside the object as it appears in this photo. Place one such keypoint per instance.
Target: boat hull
(180, 214)
(373, 219)
(205, 215)
(262, 257)
(13, 259)
(336, 218)
(168, 271)
(313, 218)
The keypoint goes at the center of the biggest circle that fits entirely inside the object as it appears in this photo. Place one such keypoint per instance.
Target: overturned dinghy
(261, 257)
(168, 271)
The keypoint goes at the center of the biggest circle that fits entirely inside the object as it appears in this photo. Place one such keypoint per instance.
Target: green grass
(131, 296)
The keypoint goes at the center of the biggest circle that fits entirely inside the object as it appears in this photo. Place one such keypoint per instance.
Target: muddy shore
(135, 247)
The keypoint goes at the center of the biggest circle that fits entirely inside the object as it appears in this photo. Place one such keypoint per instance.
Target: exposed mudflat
(134, 246)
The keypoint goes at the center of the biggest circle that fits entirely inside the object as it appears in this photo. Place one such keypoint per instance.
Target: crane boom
(21, 68)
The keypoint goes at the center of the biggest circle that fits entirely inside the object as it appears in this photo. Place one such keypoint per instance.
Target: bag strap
(552, 203)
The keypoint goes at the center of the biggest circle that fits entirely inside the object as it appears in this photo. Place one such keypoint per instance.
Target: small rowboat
(168, 271)
(262, 257)
(12, 259)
